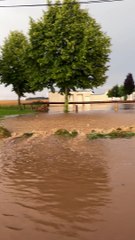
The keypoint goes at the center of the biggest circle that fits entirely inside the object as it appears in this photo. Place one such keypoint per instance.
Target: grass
(96, 135)
(118, 133)
(66, 133)
(13, 110)
(121, 134)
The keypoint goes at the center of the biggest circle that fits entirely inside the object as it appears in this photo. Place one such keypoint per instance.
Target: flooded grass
(66, 133)
(27, 135)
(4, 132)
(118, 133)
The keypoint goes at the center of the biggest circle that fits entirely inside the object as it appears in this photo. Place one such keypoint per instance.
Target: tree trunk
(125, 97)
(19, 102)
(66, 110)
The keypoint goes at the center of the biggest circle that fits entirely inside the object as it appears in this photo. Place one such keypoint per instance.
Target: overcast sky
(117, 19)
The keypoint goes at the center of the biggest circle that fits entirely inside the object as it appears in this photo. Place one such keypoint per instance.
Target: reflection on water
(94, 107)
(52, 190)
(82, 107)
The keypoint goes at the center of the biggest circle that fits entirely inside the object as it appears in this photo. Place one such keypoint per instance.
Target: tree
(68, 50)
(129, 85)
(114, 92)
(13, 68)
(121, 91)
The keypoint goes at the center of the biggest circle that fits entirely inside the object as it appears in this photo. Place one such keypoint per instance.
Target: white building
(80, 96)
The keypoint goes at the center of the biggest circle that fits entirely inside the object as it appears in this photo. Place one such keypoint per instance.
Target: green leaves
(123, 90)
(14, 69)
(129, 85)
(68, 46)
(116, 91)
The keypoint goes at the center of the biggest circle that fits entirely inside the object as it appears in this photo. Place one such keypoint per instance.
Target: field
(14, 102)
(8, 102)
(10, 107)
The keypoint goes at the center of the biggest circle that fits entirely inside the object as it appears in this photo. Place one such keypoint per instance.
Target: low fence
(116, 105)
(45, 105)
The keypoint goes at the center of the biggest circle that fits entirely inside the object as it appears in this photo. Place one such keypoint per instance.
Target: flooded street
(66, 189)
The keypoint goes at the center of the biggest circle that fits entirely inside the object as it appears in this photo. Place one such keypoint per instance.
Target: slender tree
(13, 68)
(68, 49)
(129, 85)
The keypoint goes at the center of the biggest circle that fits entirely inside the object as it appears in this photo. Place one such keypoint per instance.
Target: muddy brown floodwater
(53, 188)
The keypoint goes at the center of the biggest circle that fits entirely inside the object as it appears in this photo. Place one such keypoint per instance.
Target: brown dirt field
(14, 102)
(8, 102)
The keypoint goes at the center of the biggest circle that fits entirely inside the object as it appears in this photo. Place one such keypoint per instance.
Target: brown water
(60, 189)
(83, 122)
(83, 107)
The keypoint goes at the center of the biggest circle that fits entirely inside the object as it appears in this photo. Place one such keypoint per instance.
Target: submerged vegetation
(4, 132)
(27, 135)
(66, 133)
(113, 134)
(118, 133)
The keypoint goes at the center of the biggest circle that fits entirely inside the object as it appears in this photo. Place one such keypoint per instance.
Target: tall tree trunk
(19, 101)
(66, 101)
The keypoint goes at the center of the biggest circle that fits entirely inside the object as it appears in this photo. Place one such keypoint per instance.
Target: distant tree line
(124, 90)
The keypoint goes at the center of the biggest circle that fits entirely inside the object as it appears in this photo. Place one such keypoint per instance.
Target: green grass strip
(13, 110)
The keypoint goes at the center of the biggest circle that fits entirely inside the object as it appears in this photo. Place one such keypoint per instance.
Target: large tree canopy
(68, 49)
(13, 68)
